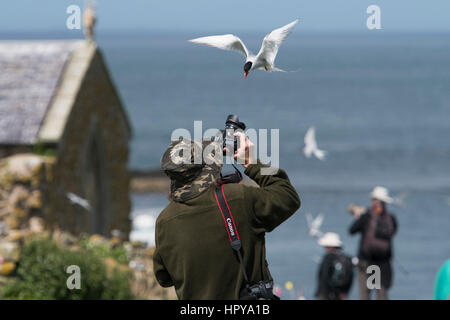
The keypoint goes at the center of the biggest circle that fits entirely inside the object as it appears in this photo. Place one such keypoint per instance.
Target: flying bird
(266, 56)
(75, 199)
(314, 224)
(399, 200)
(311, 145)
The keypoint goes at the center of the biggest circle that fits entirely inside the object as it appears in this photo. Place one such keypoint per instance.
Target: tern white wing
(314, 224)
(310, 142)
(317, 222)
(271, 44)
(79, 201)
(223, 42)
(311, 145)
(320, 154)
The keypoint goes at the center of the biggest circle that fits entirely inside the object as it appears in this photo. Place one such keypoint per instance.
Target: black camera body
(232, 125)
(263, 290)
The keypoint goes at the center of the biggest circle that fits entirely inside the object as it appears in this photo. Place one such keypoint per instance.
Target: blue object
(442, 287)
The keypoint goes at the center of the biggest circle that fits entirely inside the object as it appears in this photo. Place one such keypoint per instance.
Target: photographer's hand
(245, 154)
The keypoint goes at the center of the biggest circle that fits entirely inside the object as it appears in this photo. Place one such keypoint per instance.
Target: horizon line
(79, 33)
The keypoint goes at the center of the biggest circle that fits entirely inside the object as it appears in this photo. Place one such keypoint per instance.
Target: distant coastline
(149, 181)
(155, 181)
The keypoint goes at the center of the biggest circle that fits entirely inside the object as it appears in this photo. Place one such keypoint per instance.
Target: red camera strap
(232, 232)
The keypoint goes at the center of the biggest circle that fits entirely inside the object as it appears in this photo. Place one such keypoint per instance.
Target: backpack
(342, 274)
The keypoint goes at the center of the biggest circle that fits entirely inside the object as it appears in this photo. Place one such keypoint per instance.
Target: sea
(380, 105)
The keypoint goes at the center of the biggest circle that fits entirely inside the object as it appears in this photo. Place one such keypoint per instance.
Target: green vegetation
(105, 250)
(41, 274)
(43, 149)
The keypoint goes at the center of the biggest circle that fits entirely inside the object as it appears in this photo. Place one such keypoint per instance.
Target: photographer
(377, 227)
(192, 242)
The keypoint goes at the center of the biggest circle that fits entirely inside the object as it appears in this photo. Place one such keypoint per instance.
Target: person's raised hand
(356, 210)
(245, 154)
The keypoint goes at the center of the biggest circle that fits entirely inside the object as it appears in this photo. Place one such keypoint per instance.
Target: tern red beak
(245, 75)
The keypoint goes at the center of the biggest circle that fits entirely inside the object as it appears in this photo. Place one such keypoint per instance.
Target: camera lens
(233, 122)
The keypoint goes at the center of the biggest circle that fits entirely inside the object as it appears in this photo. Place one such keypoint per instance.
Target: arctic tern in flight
(266, 56)
(314, 224)
(311, 145)
(75, 199)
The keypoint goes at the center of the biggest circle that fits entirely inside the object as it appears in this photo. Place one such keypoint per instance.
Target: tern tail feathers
(277, 69)
(281, 70)
(320, 154)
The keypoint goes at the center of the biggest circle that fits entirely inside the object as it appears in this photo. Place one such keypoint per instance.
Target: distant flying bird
(314, 224)
(399, 200)
(311, 145)
(79, 201)
(266, 56)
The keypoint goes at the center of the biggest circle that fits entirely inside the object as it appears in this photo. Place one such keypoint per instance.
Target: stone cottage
(61, 116)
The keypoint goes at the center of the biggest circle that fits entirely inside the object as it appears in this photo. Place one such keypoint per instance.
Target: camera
(232, 124)
(263, 290)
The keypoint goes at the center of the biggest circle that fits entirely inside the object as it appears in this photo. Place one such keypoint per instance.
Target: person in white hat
(335, 274)
(377, 227)
(381, 194)
(330, 241)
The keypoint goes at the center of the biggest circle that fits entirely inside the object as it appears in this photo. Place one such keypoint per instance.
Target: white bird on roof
(265, 58)
(89, 20)
(311, 145)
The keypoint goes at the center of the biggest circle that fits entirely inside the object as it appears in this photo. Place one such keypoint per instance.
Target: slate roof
(29, 76)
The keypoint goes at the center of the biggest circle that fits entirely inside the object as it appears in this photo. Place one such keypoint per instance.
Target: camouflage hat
(192, 167)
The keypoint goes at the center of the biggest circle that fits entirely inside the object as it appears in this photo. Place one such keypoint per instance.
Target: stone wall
(27, 196)
(25, 185)
(24, 199)
(6, 151)
(90, 158)
(96, 117)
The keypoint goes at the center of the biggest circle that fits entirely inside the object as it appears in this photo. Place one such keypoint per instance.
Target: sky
(227, 16)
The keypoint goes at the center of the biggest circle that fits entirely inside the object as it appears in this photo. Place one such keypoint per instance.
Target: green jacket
(193, 252)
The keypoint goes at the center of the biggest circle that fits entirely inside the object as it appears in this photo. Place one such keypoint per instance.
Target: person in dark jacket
(377, 227)
(335, 274)
(193, 251)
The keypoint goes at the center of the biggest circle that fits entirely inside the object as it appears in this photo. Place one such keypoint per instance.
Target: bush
(44, 150)
(104, 250)
(41, 274)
